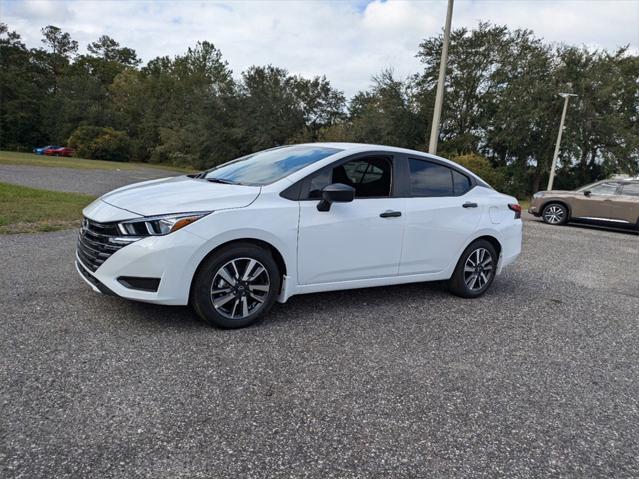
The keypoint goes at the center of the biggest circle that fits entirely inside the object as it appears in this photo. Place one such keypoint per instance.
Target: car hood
(181, 194)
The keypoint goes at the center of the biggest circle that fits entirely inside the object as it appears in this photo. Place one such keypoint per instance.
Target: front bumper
(534, 210)
(173, 258)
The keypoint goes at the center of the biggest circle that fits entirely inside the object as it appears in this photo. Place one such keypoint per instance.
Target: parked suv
(293, 220)
(608, 202)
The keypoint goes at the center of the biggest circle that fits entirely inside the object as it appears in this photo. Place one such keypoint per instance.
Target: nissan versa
(297, 219)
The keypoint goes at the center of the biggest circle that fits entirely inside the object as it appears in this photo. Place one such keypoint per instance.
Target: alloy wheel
(239, 288)
(478, 269)
(554, 214)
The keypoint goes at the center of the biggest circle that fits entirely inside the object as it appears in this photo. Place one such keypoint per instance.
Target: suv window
(432, 180)
(604, 189)
(630, 189)
(370, 176)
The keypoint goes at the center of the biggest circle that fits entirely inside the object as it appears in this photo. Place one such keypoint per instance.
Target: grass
(30, 159)
(30, 210)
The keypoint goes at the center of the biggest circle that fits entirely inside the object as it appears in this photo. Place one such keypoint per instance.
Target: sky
(348, 41)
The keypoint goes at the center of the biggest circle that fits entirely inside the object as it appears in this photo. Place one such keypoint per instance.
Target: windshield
(268, 166)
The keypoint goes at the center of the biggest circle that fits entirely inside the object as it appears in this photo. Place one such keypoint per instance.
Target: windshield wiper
(222, 180)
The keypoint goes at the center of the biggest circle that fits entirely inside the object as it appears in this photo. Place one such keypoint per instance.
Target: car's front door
(441, 216)
(594, 202)
(358, 240)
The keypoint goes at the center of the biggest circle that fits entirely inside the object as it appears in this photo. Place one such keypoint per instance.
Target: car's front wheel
(555, 214)
(475, 270)
(236, 286)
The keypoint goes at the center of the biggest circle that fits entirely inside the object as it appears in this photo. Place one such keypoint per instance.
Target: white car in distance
(297, 219)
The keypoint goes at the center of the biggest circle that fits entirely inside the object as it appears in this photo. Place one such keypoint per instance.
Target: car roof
(363, 147)
(621, 181)
(349, 148)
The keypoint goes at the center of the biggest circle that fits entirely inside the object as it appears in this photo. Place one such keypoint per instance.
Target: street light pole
(551, 179)
(439, 96)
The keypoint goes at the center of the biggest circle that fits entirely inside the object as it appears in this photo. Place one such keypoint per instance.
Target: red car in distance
(59, 151)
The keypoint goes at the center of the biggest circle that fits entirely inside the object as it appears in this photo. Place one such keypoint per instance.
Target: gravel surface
(92, 182)
(540, 377)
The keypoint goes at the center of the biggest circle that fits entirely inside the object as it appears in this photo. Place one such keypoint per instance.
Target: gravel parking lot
(539, 377)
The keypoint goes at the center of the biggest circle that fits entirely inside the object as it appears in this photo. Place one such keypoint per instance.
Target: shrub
(482, 167)
(100, 143)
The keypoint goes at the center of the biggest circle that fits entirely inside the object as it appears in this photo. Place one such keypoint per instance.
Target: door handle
(390, 214)
(470, 205)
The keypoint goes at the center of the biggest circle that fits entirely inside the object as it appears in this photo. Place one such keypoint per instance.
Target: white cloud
(347, 41)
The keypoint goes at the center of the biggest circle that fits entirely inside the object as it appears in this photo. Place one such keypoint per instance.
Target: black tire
(555, 214)
(238, 256)
(460, 284)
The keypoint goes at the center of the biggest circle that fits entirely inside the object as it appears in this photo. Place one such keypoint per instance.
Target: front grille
(95, 243)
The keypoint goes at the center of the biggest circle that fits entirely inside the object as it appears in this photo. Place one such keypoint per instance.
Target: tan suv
(609, 202)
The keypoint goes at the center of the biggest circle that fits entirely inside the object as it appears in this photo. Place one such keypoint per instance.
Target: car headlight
(159, 225)
(539, 194)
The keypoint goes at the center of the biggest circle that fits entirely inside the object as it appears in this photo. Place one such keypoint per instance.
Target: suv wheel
(475, 270)
(236, 286)
(555, 214)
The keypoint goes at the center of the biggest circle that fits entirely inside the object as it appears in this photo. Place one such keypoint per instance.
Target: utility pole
(551, 179)
(439, 96)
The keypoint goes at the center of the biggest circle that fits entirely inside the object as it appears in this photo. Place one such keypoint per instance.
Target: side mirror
(335, 193)
(587, 193)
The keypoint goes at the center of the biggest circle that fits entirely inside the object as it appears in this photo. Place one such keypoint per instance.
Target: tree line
(500, 116)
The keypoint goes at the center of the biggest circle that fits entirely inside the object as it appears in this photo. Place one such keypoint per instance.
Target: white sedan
(298, 219)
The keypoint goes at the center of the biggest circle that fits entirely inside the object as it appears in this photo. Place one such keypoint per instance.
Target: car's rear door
(357, 240)
(442, 213)
(625, 204)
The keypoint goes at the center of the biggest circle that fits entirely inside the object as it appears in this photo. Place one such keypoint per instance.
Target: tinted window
(461, 183)
(430, 179)
(604, 189)
(268, 166)
(631, 189)
(371, 177)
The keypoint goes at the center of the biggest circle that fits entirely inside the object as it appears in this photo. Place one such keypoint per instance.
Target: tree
(108, 49)
(501, 109)
(271, 113)
(386, 115)
(23, 87)
(321, 105)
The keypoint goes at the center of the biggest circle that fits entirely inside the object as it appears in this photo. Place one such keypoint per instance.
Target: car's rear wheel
(475, 270)
(236, 286)
(555, 214)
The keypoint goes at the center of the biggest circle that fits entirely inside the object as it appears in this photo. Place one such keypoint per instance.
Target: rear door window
(630, 189)
(428, 179)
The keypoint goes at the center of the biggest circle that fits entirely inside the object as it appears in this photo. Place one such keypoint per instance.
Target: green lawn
(29, 210)
(29, 159)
